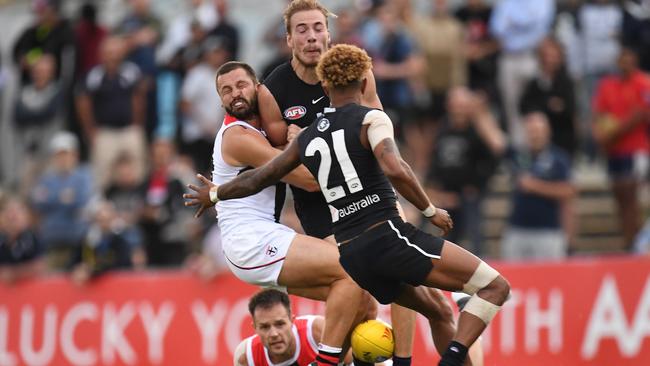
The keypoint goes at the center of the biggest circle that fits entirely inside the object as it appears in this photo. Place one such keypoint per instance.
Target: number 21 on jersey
(340, 150)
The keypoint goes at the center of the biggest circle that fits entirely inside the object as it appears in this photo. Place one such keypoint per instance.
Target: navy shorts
(629, 166)
(385, 258)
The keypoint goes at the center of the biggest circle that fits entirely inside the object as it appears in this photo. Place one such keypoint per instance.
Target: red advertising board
(585, 312)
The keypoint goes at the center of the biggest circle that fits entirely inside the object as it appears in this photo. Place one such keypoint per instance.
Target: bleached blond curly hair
(343, 65)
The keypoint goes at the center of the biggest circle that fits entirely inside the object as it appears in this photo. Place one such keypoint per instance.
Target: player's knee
(368, 308)
(481, 308)
(435, 306)
(442, 311)
(484, 277)
(372, 308)
(501, 289)
(493, 290)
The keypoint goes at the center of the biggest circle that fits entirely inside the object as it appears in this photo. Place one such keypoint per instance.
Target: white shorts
(255, 251)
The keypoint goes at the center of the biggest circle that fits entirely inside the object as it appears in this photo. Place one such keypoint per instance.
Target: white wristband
(429, 211)
(213, 194)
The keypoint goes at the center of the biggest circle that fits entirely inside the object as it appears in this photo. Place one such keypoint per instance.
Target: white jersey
(240, 211)
(248, 223)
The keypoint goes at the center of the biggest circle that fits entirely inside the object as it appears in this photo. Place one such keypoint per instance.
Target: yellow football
(372, 341)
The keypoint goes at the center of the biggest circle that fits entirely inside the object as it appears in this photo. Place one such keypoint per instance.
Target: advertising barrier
(581, 312)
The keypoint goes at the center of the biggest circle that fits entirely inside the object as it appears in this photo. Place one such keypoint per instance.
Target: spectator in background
(169, 82)
(164, 220)
(111, 110)
(519, 26)
(192, 53)
(125, 194)
(467, 148)
(394, 64)
(347, 28)
(601, 22)
(51, 34)
(438, 37)
(481, 50)
(275, 37)
(636, 29)
(552, 93)
(60, 198)
(142, 31)
(622, 113)
(226, 30)
(89, 36)
(106, 246)
(3, 82)
(180, 32)
(38, 114)
(536, 228)
(568, 32)
(21, 251)
(200, 103)
(3, 77)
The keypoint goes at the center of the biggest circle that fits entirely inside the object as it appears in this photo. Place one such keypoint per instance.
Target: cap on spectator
(64, 141)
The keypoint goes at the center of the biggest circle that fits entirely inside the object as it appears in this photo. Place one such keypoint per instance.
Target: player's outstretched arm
(253, 181)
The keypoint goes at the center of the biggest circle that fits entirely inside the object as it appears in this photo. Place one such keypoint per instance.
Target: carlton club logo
(295, 112)
(323, 125)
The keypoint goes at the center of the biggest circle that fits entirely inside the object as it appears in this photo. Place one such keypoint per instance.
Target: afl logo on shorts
(323, 124)
(295, 112)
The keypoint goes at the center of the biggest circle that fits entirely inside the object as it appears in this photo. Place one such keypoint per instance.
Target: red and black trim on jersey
(306, 346)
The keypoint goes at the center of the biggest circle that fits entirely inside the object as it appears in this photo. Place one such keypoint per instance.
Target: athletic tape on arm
(380, 127)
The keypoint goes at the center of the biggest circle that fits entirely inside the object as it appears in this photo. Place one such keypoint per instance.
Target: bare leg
(451, 272)
(455, 267)
(403, 321)
(435, 307)
(476, 353)
(625, 192)
(311, 265)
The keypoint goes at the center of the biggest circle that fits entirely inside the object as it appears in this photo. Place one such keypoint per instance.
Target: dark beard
(246, 114)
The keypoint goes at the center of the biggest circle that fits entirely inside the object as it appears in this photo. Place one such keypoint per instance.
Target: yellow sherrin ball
(372, 341)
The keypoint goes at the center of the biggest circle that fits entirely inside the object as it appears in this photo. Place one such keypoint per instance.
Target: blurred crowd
(110, 124)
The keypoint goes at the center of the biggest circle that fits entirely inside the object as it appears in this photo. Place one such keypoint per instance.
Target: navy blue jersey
(351, 180)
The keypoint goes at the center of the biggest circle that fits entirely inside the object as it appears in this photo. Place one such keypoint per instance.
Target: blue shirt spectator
(531, 210)
(391, 62)
(521, 24)
(396, 48)
(62, 194)
(540, 226)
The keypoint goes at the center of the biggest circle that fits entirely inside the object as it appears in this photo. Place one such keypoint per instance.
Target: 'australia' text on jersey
(351, 180)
